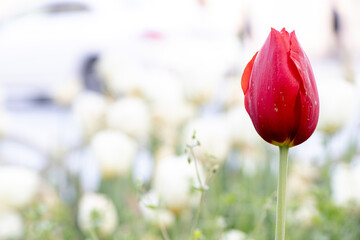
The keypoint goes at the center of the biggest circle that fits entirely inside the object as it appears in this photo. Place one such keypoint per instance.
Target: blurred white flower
(306, 212)
(252, 159)
(304, 170)
(221, 222)
(164, 151)
(214, 137)
(89, 110)
(345, 184)
(131, 116)
(121, 75)
(171, 112)
(18, 186)
(127, 81)
(232, 94)
(98, 213)
(242, 132)
(48, 196)
(173, 182)
(11, 225)
(152, 211)
(234, 234)
(202, 61)
(300, 180)
(338, 100)
(66, 93)
(168, 117)
(162, 86)
(200, 88)
(114, 151)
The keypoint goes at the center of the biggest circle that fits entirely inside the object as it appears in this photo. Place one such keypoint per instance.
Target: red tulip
(280, 91)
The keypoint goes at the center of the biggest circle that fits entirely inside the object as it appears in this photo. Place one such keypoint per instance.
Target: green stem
(281, 194)
(196, 167)
(164, 232)
(93, 235)
(201, 201)
(197, 216)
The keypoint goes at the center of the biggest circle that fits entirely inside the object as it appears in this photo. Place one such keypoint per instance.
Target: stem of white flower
(196, 167)
(198, 210)
(281, 194)
(93, 235)
(202, 189)
(164, 232)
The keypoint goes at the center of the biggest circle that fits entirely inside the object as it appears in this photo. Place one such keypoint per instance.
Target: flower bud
(114, 151)
(11, 225)
(214, 137)
(18, 186)
(152, 210)
(131, 116)
(97, 213)
(174, 180)
(89, 110)
(280, 91)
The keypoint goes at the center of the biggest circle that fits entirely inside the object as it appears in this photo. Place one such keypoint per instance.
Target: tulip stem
(281, 194)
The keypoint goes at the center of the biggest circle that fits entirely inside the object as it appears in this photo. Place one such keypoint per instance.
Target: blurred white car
(54, 43)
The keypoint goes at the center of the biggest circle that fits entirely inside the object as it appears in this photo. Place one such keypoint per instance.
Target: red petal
(273, 91)
(308, 92)
(245, 79)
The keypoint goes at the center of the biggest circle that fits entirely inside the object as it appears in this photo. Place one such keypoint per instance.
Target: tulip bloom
(280, 91)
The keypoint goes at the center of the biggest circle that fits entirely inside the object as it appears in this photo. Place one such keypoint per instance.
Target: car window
(65, 7)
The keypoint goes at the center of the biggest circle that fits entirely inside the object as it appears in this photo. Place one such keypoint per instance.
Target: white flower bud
(306, 212)
(18, 186)
(152, 211)
(234, 234)
(171, 112)
(114, 151)
(200, 88)
(168, 116)
(97, 213)
(173, 181)
(160, 87)
(214, 137)
(11, 225)
(89, 110)
(121, 75)
(131, 116)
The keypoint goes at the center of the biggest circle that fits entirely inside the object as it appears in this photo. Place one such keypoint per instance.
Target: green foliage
(235, 199)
